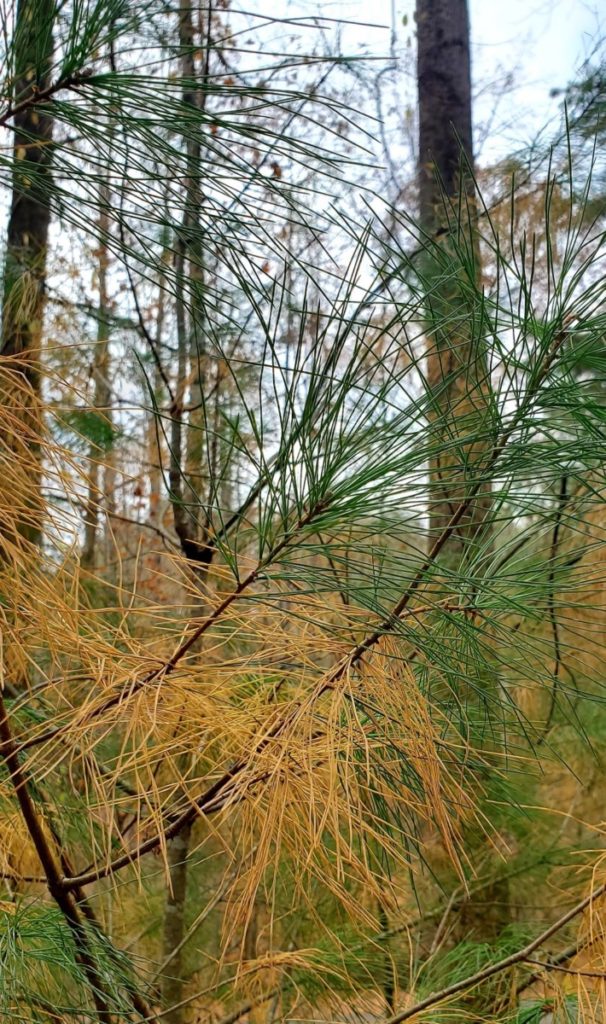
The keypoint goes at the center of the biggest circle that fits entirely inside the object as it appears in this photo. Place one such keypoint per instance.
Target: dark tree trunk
(457, 374)
(456, 362)
(444, 83)
(25, 257)
(27, 236)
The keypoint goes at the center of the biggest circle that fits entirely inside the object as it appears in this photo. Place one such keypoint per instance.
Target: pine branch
(518, 957)
(64, 900)
(39, 96)
(160, 673)
(215, 797)
(72, 904)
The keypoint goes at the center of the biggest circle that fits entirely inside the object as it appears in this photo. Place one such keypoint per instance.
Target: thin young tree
(102, 427)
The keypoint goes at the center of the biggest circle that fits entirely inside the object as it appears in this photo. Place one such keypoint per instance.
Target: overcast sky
(541, 42)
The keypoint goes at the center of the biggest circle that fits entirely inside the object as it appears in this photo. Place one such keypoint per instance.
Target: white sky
(542, 42)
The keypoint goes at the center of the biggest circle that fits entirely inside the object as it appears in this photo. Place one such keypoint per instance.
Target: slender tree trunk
(457, 374)
(187, 458)
(174, 926)
(25, 260)
(101, 399)
(444, 84)
(389, 974)
(154, 435)
(154, 456)
(185, 470)
(196, 437)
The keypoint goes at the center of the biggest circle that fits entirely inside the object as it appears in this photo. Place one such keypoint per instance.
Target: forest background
(302, 511)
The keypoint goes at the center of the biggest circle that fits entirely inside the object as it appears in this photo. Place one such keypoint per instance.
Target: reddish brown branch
(72, 904)
(54, 880)
(39, 96)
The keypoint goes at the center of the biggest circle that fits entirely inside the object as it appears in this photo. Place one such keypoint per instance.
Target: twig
(553, 619)
(520, 956)
(141, 325)
(566, 970)
(245, 1008)
(64, 900)
(6, 876)
(144, 526)
(556, 961)
(38, 96)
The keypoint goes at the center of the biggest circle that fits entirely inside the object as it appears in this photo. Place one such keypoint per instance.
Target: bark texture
(27, 236)
(174, 927)
(24, 275)
(457, 371)
(444, 84)
(456, 362)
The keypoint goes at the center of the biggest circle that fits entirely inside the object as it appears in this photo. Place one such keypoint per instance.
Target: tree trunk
(186, 505)
(389, 973)
(25, 259)
(174, 927)
(456, 362)
(457, 373)
(186, 461)
(154, 434)
(101, 400)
